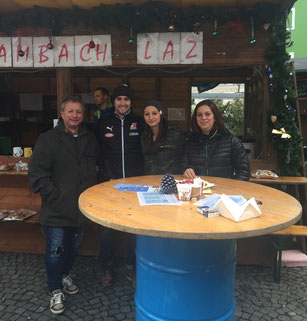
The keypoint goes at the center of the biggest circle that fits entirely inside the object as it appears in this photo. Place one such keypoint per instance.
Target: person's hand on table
(189, 173)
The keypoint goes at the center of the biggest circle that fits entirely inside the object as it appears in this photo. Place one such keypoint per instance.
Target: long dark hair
(153, 146)
(218, 120)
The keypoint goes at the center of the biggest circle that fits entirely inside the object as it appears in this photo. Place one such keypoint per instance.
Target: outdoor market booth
(160, 49)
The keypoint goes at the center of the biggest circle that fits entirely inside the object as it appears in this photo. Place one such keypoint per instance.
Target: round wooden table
(186, 262)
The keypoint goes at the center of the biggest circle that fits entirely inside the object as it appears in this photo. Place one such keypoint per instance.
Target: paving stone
(24, 295)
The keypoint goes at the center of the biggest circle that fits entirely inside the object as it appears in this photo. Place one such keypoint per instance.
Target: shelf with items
(15, 193)
(10, 161)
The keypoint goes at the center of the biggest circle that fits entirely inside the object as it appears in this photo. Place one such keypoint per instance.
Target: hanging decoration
(283, 130)
(131, 39)
(171, 27)
(20, 52)
(50, 45)
(196, 27)
(92, 44)
(238, 26)
(215, 31)
(253, 40)
(273, 118)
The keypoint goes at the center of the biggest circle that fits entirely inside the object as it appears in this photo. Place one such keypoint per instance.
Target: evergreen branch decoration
(282, 115)
(142, 18)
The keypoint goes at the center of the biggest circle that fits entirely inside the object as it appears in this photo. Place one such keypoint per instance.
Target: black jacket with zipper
(61, 168)
(218, 154)
(120, 154)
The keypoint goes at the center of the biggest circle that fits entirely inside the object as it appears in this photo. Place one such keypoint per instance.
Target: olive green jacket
(167, 158)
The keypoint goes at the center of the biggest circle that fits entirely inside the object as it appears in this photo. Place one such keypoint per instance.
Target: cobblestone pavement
(24, 295)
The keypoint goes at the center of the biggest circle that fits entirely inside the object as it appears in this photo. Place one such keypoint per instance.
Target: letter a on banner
(5, 52)
(64, 52)
(169, 48)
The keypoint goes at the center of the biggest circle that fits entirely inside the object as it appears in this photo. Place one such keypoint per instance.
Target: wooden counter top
(13, 160)
(281, 180)
(106, 206)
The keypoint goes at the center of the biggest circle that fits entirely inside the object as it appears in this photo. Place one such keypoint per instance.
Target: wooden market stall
(234, 44)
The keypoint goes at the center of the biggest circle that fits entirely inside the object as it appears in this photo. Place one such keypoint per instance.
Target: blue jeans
(107, 249)
(62, 245)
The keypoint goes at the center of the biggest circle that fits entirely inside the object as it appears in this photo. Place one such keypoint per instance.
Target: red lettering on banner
(26, 53)
(166, 52)
(104, 51)
(193, 47)
(146, 51)
(63, 53)
(88, 52)
(3, 52)
(43, 58)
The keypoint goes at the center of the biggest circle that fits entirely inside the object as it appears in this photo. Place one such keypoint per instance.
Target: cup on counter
(27, 151)
(197, 188)
(184, 192)
(17, 151)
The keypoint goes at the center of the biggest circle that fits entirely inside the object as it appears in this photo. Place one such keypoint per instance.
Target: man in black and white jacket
(121, 156)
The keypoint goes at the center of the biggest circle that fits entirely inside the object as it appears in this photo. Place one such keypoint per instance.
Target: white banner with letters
(96, 50)
(27, 47)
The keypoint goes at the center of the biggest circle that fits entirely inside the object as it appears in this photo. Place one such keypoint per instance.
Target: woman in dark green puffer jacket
(162, 144)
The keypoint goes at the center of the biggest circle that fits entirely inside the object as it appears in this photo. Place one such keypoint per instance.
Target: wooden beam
(64, 86)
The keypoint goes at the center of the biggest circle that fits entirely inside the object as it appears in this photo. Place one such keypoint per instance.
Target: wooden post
(298, 119)
(64, 86)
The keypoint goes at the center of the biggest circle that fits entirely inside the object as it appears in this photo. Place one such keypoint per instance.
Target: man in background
(121, 156)
(103, 105)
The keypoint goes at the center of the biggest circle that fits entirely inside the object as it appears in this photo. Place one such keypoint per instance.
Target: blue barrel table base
(184, 280)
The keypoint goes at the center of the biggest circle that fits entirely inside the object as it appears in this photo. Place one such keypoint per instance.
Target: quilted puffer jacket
(218, 154)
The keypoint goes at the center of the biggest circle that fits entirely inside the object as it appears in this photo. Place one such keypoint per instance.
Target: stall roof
(17, 5)
(300, 64)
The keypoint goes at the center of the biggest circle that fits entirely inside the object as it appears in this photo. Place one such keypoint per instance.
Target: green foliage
(141, 18)
(283, 99)
(233, 115)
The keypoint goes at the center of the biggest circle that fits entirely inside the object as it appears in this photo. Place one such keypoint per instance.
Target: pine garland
(281, 118)
(141, 18)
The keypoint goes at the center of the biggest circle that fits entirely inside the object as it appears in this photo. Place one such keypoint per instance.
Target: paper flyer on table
(150, 198)
(135, 188)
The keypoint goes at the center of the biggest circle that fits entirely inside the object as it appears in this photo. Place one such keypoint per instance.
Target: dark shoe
(131, 277)
(106, 277)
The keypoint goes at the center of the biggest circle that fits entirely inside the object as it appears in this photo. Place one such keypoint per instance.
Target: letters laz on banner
(170, 48)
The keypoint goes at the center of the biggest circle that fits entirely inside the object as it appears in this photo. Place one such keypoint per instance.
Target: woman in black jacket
(211, 150)
(162, 144)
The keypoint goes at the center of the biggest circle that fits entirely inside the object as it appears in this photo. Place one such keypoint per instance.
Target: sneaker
(131, 277)
(57, 302)
(68, 286)
(106, 277)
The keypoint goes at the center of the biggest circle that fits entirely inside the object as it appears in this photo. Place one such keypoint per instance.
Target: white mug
(17, 151)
